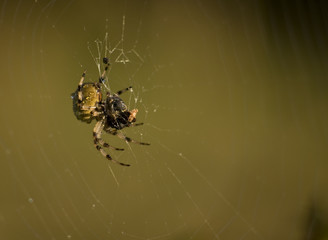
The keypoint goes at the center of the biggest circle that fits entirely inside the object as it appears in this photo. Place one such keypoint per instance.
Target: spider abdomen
(85, 100)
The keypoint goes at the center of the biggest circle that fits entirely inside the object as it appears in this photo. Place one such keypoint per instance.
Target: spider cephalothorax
(111, 115)
(118, 114)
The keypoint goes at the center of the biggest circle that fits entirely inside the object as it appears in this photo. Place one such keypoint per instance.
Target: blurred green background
(233, 95)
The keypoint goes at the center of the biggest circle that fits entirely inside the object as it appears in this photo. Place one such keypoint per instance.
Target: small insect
(111, 114)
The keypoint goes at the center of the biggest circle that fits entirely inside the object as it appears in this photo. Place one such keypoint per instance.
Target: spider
(111, 114)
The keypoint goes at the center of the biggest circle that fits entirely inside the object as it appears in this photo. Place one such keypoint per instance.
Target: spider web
(233, 100)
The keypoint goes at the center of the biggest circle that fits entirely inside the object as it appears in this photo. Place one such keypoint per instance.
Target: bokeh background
(233, 95)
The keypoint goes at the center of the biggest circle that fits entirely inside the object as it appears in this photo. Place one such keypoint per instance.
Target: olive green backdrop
(233, 95)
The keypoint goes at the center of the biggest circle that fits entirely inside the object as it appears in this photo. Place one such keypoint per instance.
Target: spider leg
(127, 139)
(97, 130)
(79, 87)
(136, 124)
(123, 90)
(95, 113)
(97, 137)
(102, 77)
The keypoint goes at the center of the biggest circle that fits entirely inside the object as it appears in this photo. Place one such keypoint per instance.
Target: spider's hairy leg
(79, 87)
(123, 90)
(97, 130)
(136, 124)
(102, 77)
(95, 113)
(127, 139)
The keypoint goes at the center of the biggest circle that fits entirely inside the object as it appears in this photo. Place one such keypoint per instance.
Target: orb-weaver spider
(111, 114)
